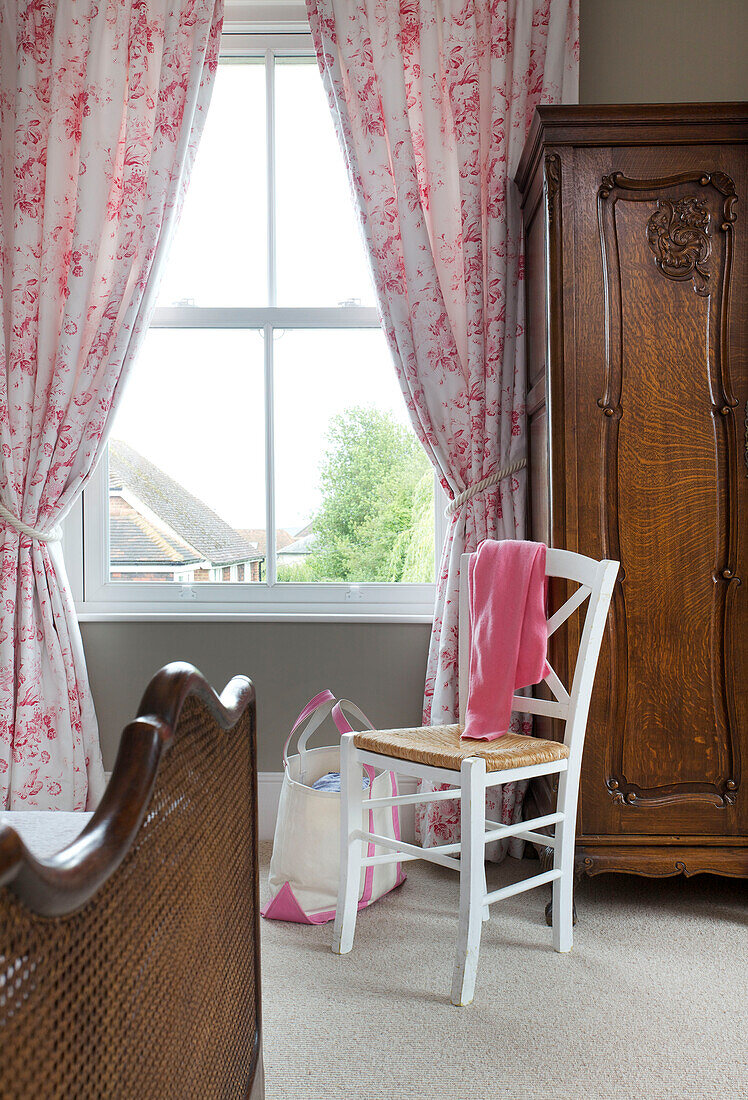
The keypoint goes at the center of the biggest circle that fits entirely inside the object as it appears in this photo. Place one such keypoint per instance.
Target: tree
(413, 553)
(376, 519)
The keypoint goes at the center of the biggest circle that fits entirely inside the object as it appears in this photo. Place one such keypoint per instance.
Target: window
(264, 397)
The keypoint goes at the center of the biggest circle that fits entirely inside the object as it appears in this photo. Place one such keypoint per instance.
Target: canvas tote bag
(305, 865)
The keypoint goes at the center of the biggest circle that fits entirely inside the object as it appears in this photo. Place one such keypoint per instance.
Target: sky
(194, 404)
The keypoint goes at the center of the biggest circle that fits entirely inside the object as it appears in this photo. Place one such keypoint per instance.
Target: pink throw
(509, 635)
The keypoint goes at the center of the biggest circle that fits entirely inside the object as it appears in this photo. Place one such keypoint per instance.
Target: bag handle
(342, 722)
(344, 726)
(317, 710)
(322, 704)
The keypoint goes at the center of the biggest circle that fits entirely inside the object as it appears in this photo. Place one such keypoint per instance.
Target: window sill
(271, 604)
(180, 615)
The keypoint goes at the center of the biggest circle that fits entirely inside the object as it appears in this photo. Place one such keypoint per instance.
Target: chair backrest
(596, 580)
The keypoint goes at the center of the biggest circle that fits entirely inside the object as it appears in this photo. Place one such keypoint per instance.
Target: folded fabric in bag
(305, 866)
(331, 782)
(508, 633)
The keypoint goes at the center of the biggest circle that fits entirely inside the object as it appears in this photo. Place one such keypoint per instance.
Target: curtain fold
(102, 103)
(432, 101)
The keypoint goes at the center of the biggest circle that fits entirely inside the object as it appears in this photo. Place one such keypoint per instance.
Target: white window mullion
(95, 542)
(270, 565)
(72, 549)
(441, 522)
(270, 122)
(256, 316)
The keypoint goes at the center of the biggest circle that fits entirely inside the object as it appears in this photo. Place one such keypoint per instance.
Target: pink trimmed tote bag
(305, 866)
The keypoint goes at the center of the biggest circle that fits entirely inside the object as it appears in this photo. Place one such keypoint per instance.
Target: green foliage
(376, 520)
(413, 552)
(303, 572)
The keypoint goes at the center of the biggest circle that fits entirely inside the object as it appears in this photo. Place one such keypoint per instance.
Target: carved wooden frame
(661, 860)
(57, 887)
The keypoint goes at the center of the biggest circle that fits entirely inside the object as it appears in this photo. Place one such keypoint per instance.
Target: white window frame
(86, 529)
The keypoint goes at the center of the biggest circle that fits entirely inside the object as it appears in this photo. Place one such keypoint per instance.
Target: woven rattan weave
(441, 747)
(150, 991)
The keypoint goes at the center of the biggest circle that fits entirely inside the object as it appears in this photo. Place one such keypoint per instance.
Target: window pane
(219, 253)
(354, 488)
(187, 461)
(320, 251)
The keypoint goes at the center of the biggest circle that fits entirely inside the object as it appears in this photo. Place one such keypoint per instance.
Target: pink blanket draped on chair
(509, 635)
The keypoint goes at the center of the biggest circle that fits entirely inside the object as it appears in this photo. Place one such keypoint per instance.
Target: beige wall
(631, 51)
(663, 51)
(380, 666)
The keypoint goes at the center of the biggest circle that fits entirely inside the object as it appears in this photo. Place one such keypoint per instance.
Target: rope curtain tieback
(24, 529)
(485, 483)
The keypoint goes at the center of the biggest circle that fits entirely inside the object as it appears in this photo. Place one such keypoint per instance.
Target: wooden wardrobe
(636, 264)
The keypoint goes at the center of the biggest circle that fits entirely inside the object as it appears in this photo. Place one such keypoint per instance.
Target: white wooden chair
(436, 753)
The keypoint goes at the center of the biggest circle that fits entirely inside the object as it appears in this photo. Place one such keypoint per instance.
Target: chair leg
(563, 860)
(472, 878)
(351, 810)
(485, 910)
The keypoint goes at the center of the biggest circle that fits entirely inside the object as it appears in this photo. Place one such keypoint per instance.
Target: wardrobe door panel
(667, 509)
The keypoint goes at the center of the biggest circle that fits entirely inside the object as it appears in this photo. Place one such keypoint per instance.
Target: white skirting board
(268, 796)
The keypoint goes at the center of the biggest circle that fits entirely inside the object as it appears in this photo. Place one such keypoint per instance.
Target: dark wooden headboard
(129, 961)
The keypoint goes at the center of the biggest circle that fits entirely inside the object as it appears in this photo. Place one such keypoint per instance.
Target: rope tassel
(25, 529)
(493, 479)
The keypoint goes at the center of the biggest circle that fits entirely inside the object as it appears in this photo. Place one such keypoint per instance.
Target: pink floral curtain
(432, 100)
(101, 107)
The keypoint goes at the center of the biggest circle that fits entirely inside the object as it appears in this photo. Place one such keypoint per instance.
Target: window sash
(86, 545)
(86, 530)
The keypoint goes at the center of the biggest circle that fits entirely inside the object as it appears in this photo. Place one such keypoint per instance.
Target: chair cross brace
(567, 610)
(520, 887)
(412, 799)
(442, 853)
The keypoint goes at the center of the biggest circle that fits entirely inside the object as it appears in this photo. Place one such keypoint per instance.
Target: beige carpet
(652, 1002)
